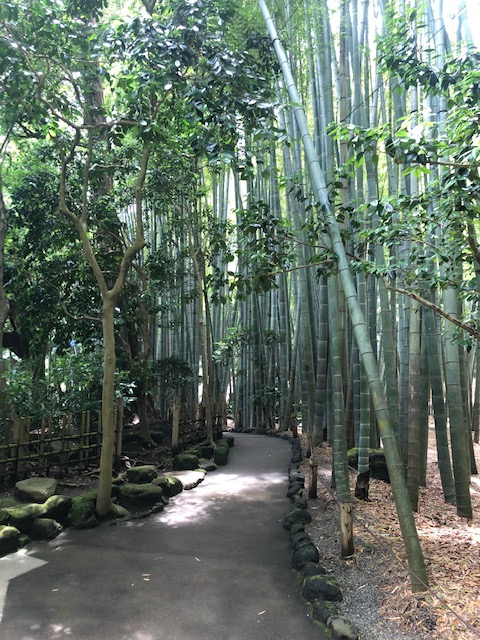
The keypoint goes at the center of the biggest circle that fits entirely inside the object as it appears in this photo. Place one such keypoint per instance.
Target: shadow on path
(215, 565)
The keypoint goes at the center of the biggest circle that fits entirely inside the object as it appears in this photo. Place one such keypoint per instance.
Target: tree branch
(468, 328)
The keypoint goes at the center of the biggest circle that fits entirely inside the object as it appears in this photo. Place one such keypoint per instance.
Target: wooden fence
(54, 445)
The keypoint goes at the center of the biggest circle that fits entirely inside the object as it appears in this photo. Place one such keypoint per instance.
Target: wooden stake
(346, 529)
(312, 489)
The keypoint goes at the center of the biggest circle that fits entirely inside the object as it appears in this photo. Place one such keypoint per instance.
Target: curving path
(215, 565)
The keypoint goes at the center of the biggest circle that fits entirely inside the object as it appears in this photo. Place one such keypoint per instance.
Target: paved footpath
(215, 565)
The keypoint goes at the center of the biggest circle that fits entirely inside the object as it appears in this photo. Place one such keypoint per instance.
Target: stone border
(142, 491)
(320, 589)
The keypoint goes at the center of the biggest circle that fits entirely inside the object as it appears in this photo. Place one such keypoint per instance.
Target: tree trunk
(175, 423)
(104, 498)
(4, 304)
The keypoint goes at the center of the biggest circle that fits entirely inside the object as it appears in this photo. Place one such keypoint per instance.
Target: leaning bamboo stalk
(416, 562)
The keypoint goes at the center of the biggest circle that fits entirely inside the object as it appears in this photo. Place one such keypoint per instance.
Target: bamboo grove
(274, 203)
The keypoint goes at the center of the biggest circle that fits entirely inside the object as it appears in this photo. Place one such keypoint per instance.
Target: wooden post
(20, 440)
(346, 529)
(88, 424)
(41, 449)
(312, 489)
(118, 434)
(175, 423)
(81, 443)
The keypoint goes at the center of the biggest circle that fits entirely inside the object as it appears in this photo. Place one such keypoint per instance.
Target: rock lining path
(215, 565)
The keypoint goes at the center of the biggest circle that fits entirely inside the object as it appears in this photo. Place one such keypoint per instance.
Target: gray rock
(35, 489)
(296, 476)
(207, 465)
(189, 479)
(143, 474)
(341, 628)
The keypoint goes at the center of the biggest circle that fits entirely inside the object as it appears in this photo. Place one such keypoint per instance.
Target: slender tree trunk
(104, 499)
(4, 304)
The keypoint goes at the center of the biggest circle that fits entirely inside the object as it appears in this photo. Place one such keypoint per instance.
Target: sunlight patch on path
(215, 493)
(12, 566)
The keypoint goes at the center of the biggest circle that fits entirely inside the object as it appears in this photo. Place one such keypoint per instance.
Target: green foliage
(235, 339)
(72, 383)
(174, 373)
(265, 244)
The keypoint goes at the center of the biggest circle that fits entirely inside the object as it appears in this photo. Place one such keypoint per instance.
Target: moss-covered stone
(294, 489)
(313, 569)
(82, 514)
(296, 527)
(170, 485)
(378, 465)
(297, 516)
(157, 436)
(22, 517)
(9, 539)
(23, 540)
(143, 474)
(8, 501)
(299, 502)
(305, 552)
(45, 529)
(322, 610)
(205, 450)
(140, 496)
(221, 453)
(58, 508)
(321, 588)
(3, 516)
(185, 461)
(298, 536)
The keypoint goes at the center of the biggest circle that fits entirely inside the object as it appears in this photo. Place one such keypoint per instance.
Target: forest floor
(375, 581)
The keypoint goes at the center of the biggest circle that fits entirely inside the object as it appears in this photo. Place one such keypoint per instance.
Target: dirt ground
(450, 609)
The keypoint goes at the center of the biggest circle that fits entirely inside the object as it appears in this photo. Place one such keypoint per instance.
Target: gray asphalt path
(215, 565)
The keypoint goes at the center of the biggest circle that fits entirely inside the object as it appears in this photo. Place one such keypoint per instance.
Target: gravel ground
(365, 578)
